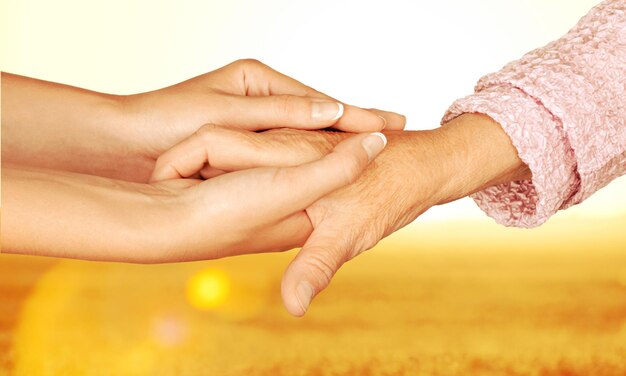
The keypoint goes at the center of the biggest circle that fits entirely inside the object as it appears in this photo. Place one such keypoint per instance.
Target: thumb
(311, 271)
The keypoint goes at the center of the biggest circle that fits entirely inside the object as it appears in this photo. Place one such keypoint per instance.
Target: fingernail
(384, 122)
(326, 111)
(373, 144)
(304, 293)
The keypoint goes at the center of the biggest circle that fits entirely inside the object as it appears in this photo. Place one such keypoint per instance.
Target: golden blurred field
(435, 299)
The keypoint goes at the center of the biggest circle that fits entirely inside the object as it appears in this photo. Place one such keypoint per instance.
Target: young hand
(63, 214)
(54, 126)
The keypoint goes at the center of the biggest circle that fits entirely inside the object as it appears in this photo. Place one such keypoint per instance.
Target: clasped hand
(270, 184)
(87, 140)
(184, 173)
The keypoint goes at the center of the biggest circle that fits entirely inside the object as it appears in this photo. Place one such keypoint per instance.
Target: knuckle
(205, 131)
(248, 63)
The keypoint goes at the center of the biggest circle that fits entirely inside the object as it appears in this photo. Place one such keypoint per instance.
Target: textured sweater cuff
(541, 144)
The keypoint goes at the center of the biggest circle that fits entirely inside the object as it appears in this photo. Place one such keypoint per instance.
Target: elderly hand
(416, 171)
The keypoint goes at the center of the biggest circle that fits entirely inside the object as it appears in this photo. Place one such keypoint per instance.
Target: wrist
(54, 126)
(160, 119)
(466, 155)
(477, 154)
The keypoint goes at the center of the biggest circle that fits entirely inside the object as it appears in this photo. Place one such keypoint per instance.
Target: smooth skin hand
(53, 126)
(64, 214)
(416, 171)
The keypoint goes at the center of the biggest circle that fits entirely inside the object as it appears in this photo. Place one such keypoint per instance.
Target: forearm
(437, 166)
(418, 169)
(61, 214)
(56, 126)
(480, 154)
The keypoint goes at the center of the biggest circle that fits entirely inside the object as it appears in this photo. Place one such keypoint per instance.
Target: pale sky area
(406, 56)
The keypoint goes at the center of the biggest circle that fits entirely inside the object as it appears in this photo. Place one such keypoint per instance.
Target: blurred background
(452, 293)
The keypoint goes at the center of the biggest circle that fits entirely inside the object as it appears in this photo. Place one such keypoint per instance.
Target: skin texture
(118, 215)
(54, 126)
(99, 218)
(73, 158)
(416, 171)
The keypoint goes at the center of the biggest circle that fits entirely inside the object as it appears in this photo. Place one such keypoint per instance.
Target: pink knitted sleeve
(564, 108)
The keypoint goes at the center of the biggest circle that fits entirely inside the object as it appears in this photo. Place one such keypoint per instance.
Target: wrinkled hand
(258, 209)
(416, 171)
(397, 187)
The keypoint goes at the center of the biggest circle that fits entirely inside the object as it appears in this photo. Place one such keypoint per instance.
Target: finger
(262, 81)
(213, 150)
(187, 157)
(209, 172)
(356, 119)
(280, 192)
(281, 111)
(394, 121)
(291, 111)
(311, 271)
(303, 185)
